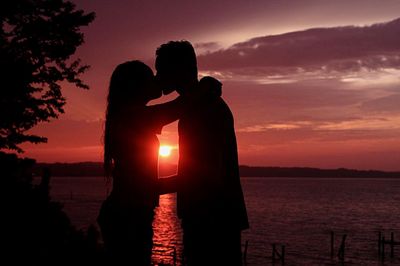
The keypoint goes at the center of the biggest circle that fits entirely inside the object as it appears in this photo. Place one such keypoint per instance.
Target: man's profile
(209, 197)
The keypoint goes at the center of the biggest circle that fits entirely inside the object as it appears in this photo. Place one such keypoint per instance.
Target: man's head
(176, 66)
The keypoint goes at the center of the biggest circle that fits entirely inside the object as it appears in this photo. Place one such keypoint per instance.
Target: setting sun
(165, 151)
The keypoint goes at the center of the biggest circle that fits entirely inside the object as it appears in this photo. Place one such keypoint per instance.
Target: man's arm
(164, 113)
(168, 184)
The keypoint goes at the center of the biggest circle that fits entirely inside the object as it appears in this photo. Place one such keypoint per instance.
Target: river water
(299, 213)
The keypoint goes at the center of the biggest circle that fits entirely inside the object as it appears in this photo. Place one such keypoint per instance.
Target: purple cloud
(348, 48)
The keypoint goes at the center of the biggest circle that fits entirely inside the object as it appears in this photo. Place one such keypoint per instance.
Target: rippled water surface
(299, 213)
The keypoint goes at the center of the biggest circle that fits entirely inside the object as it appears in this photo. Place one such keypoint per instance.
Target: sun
(165, 151)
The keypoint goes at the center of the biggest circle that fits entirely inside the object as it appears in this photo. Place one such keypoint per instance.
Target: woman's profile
(131, 161)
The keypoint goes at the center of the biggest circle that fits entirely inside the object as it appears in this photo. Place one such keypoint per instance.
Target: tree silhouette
(37, 40)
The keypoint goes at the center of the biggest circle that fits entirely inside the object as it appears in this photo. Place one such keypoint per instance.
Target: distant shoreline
(96, 169)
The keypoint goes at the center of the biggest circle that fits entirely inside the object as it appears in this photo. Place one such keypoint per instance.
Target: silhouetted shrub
(35, 230)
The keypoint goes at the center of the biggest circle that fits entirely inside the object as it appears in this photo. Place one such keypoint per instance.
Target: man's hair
(177, 54)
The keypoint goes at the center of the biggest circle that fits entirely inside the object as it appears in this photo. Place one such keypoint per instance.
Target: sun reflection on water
(167, 231)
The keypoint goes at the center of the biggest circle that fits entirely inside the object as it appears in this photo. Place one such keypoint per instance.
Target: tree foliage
(37, 40)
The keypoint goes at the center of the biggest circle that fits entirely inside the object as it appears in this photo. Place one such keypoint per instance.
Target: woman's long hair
(126, 88)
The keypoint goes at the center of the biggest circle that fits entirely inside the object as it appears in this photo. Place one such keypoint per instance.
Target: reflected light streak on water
(167, 231)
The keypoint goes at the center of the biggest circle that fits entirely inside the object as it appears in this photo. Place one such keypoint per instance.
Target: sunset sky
(310, 83)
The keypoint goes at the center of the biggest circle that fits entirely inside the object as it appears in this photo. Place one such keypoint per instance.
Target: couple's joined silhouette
(210, 201)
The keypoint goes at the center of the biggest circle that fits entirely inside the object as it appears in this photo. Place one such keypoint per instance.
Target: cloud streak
(338, 49)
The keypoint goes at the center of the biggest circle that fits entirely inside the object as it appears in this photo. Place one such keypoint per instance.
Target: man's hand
(168, 184)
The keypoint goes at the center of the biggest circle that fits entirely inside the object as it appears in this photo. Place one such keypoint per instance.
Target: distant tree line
(96, 169)
(253, 171)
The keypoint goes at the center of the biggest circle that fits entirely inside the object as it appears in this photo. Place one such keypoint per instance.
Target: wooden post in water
(175, 256)
(342, 248)
(392, 245)
(379, 243)
(278, 256)
(273, 253)
(383, 249)
(245, 252)
(332, 243)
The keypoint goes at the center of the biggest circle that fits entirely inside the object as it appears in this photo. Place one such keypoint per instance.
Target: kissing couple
(210, 200)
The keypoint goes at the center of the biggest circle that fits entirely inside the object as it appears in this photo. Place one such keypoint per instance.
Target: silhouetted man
(210, 199)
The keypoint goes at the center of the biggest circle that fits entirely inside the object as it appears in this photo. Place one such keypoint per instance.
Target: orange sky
(301, 96)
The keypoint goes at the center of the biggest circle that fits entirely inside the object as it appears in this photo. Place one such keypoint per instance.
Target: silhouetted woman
(130, 159)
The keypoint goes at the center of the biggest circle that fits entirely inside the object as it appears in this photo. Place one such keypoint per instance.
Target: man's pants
(211, 246)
